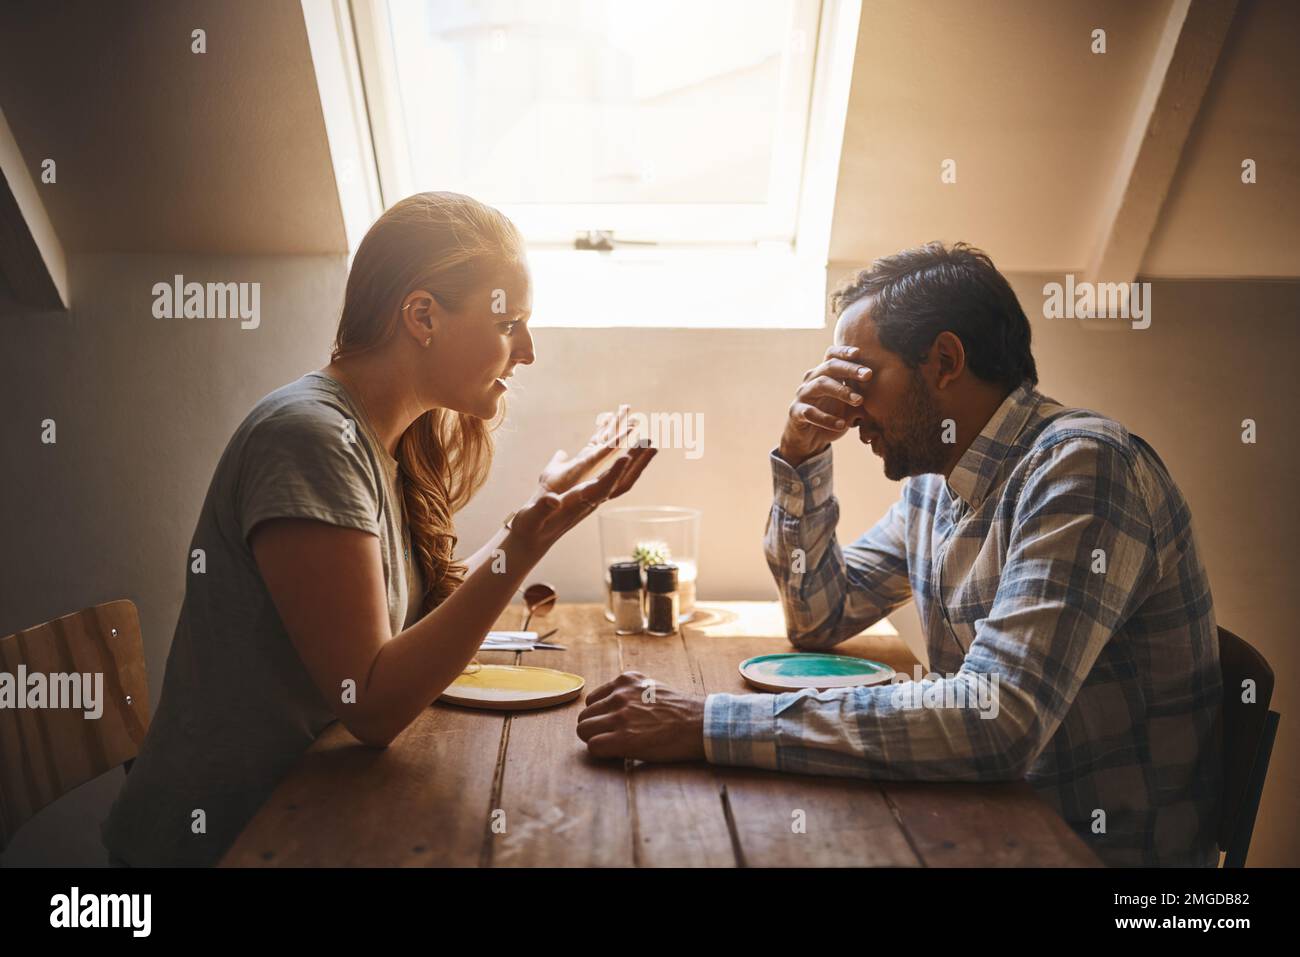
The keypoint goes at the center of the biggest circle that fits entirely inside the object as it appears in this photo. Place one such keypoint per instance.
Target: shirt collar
(980, 464)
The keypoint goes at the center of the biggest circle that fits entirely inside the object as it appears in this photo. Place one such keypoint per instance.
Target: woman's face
(476, 349)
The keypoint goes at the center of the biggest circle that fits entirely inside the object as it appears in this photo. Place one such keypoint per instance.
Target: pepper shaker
(662, 599)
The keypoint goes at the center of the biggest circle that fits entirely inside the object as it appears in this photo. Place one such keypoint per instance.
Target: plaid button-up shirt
(1055, 566)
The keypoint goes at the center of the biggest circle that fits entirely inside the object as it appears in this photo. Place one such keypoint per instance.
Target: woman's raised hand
(566, 495)
(563, 473)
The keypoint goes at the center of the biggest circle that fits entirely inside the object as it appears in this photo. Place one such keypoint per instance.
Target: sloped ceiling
(159, 149)
(1213, 224)
(1036, 123)
(162, 149)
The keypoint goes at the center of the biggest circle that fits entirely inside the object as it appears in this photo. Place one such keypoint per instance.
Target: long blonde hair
(449, 245)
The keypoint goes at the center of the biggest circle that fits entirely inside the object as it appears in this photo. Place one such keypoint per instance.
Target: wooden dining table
(463, 787)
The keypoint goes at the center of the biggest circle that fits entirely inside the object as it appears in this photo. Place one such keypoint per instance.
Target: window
(675, 138)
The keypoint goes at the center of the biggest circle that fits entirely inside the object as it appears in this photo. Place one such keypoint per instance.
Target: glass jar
(652, 536)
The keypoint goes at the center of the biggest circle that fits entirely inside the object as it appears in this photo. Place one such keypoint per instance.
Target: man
(1049, 554)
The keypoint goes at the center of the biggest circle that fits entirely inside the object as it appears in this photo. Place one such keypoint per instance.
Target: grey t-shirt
(238, 707)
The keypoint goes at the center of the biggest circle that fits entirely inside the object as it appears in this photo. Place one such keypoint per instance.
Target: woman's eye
(508, 327)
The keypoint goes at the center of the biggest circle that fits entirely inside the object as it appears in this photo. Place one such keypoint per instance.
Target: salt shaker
(662, 599)
(625, 596)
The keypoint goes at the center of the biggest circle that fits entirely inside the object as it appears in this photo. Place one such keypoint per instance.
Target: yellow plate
(513, 688)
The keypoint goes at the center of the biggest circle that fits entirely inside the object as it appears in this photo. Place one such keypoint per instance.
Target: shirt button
(817, 480)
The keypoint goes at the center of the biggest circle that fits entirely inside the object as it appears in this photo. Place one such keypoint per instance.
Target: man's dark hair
(922, 292)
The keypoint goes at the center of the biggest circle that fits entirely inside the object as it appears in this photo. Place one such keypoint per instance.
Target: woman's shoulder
(308, 424)
(300, 451)
(310, 406)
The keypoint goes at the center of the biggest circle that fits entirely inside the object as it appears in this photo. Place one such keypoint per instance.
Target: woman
(326, 586)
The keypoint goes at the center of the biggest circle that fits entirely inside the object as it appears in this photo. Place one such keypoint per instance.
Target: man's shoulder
(1071, 445)
(1056, 425)
(1084, 455)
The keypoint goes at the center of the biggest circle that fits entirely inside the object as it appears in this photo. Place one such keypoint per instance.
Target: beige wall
(145, 407)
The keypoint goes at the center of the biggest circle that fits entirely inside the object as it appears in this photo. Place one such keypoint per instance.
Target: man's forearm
(883, 732)
(830, 593)
(417, 664)
(801, 549)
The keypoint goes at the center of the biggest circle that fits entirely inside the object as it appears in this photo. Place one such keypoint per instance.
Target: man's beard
(913, 445)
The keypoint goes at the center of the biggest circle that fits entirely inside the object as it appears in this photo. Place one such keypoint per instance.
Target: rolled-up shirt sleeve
(829, 594)
(1080, 554)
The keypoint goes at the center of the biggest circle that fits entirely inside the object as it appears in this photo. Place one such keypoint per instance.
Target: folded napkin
(509, 641)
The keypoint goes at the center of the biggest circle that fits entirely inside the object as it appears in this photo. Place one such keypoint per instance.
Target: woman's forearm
(486, 552)
(410, 670)
(416, 665)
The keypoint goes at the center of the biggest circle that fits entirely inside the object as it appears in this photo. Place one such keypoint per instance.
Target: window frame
(792, 261)
(557, 224)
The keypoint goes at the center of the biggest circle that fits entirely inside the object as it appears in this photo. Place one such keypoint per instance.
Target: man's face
(898, 417)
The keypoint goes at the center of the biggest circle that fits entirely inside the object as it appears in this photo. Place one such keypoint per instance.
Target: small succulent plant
(652, 553)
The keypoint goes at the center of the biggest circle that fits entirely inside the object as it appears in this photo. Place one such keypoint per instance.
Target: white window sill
(753, 288)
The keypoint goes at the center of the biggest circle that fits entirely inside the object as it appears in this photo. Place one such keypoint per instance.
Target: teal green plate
(796, 671)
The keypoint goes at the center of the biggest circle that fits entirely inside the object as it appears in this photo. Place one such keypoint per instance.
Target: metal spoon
(540, 601)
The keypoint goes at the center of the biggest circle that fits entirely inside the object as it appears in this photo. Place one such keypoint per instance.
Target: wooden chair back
(47, 751)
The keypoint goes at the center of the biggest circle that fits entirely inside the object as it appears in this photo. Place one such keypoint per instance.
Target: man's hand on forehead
(826, 404)
(846, 363)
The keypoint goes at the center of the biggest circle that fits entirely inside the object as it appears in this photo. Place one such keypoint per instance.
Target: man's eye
(508, 327)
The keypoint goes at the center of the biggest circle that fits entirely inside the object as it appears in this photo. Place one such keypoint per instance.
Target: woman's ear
(421, 316)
